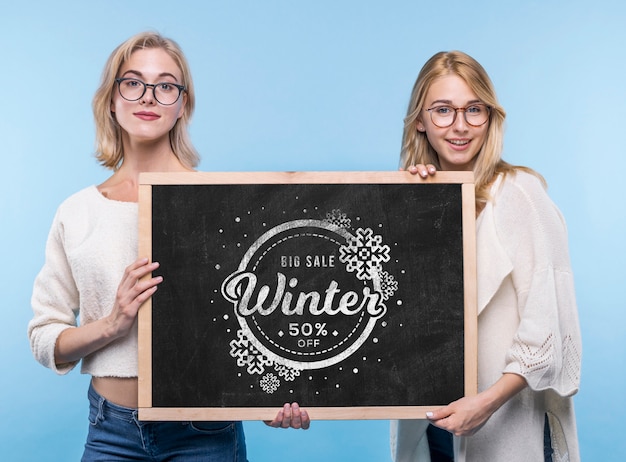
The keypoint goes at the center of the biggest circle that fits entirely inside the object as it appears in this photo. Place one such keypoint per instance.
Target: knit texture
(91, 242)
(527, 325)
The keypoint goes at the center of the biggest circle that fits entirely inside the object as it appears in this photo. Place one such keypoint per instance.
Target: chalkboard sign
(352, 293)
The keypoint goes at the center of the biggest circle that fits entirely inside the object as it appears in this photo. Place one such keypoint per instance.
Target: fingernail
(429, 414)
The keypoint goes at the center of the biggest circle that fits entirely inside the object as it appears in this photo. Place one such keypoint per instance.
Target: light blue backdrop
(315, 85)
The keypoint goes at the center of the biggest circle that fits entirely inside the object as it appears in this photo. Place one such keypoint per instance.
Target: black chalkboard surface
(352, 293)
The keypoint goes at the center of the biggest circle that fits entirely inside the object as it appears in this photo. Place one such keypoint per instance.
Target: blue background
(315, 85)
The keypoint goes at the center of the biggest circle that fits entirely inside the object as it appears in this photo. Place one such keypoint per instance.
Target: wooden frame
(149, 409)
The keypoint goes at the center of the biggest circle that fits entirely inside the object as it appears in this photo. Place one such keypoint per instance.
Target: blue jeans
(440, 443)
(115, 434)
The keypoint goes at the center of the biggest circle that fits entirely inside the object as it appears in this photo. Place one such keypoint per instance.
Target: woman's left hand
(463, 417)
(422, 170)
(291, 416)
(467, 415)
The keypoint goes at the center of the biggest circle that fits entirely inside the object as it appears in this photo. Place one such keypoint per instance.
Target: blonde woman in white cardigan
(92, 271)
(529, 345)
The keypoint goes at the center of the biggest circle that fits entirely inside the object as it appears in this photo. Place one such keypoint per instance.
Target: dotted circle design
(246, 328)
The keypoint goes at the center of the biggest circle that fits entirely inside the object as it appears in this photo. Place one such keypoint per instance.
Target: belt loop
(101, 402)
(140, 427)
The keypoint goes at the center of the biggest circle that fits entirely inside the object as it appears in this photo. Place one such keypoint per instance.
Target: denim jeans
(547, 441)
(115, 434)
(440, 443)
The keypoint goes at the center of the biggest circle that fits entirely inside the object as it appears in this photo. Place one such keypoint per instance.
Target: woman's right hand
(290, 416)
(422, 170)
(131, 294)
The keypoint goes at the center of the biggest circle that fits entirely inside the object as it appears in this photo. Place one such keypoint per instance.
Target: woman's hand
(74, 344)
(422, 170)
(467, 415)
(290, 416)
(463, 417)
(131, 294)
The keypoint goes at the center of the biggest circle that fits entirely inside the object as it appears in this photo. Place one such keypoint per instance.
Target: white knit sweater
(91, 242)
(527, 325)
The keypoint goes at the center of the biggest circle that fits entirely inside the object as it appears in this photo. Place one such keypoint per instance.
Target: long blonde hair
(109, 147)
(415, 146)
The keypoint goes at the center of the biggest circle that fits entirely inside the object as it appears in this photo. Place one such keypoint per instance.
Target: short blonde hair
(109, 147)
(415, 146)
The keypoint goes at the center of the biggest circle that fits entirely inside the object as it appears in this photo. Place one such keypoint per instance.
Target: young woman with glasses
(87, 295)
(529, 345)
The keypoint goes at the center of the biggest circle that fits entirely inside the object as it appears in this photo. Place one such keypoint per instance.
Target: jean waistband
(108, 408)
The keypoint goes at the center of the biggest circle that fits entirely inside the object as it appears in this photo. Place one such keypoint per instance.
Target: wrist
(503, 390)
(111, 330)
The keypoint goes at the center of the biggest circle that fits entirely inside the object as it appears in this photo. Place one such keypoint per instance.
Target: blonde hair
(109, 147)
(415, 146)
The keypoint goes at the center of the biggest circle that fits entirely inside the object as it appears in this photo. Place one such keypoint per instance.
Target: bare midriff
(118, 390)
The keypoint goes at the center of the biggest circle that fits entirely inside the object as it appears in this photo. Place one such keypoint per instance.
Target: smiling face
(146, 120)
(457, 145)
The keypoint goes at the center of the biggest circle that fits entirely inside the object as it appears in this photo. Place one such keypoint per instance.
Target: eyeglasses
(444, 116)
(166, 93)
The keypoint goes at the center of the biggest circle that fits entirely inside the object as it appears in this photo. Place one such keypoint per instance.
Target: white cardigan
(91, 242)
(527, 325)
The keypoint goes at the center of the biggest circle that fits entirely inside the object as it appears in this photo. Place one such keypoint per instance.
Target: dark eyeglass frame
(456, 111)
(119, 81)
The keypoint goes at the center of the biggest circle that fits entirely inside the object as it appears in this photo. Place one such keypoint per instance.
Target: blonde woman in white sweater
(87, 295)
(529, 345)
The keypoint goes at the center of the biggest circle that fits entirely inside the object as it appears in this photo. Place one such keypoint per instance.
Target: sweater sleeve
(546, 348)
(54, 301)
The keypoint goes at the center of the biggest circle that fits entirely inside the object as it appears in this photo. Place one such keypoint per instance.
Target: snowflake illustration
(269, 383)
(248, 355)
(364, 254)
(338, 218)
(287, 372)
(388, 285)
